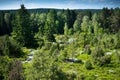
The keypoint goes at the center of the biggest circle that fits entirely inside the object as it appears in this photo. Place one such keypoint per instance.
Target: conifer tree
(22, 31)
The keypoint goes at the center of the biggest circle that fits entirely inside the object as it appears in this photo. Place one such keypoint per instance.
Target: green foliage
(88, 65)
(114, 20)
(87, 49)
(70, 17)
(97, 53)
(105, 60)
(5, 23)
(116, 56)
(48, 32)
(61, 34)
(9, 47)
(44, 67)
(99, 57)
(22, 31)
(66, 29)
(39, 39)
(4, 45)
(7, 18)
(5, 63)
(77, 23)
(85, 24)
(61, 20)
(76, 26)
(95, 23)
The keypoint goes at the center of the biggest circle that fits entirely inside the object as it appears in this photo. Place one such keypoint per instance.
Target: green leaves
(5, 63)
(88, 65)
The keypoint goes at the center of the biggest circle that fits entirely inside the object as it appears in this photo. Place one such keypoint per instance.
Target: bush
(9, 47)
(71, 75)
(47, 45)
(97, 53)
(40, 42)
(82, 77)
(105, 60)
(117, 54)
(5, 63)
(88, 65)
(4, 45)
(15, 50)
(99, 58)
(87, 49)
(91, 77)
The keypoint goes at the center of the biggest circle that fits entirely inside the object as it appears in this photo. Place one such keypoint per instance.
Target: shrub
(87, 49)
(105, 60)
(99, 58)
(97, 53)
(47, 45)
(15, 50)
(9, 47)
(5, 63)
(82, 77)
(91, 77)
(40, 42)
(117, 56)
(4, 45)
(88, 65)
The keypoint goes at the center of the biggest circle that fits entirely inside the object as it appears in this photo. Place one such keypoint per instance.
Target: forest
(60, 44)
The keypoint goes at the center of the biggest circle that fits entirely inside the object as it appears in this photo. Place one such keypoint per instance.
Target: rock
(74, 60)
(96, 75)
(71, 40)
(30, 56)
(114, 50)
(108, 53)
(111, 71)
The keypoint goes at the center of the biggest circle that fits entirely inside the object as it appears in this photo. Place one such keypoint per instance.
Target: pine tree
(50, 27)
(22, 31)
(48, 32)
(70, 18)
(3, 27)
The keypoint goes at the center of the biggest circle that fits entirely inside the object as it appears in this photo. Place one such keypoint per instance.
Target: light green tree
(95, 24)
(66, 29)
(76, 26)
(44, 67)
(85, 24)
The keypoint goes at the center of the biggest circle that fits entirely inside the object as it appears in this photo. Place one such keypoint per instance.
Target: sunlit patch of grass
(83, 56)
(97, 73)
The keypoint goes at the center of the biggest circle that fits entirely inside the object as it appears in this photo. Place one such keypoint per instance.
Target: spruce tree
(22, 31)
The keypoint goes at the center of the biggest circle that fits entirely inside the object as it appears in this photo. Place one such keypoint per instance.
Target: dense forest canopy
(88, 39)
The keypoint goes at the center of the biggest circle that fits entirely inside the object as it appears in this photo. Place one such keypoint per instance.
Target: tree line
(39, 29)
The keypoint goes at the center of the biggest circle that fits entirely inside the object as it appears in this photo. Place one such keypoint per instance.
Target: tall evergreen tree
(50, 27)
(8, 19)
(22, 31)
(115, 21)
(3, 27)
(48, 32)
(70, 18)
